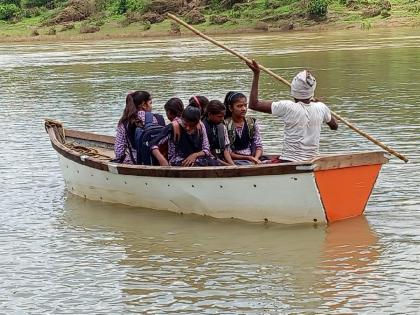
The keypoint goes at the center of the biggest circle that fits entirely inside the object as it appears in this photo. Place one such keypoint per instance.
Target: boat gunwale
(318, 164)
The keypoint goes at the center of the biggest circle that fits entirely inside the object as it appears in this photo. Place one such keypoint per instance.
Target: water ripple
(64, 255)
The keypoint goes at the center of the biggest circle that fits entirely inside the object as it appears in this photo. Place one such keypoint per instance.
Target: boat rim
(322, 162)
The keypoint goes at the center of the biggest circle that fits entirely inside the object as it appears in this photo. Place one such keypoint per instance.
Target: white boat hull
(289, 198)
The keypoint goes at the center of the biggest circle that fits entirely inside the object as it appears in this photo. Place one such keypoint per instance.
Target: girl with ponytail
(200, 102)
(136, 105)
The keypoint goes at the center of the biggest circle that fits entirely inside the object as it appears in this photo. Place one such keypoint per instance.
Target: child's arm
(159, 156)
(228, 158)
(227, 150)
(120, 145)
(236, 156)
(257, 142)
(160, 139)
(190, 160)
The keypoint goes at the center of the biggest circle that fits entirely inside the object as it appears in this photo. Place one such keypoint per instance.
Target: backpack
(143, 136)
(250, 121)
(217, 143)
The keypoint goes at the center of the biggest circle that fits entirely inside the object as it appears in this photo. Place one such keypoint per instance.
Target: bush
(37, 3)
(52, 31)
(28, 13)
(15, 2)
(76, 10)
(164, 6)
(138, 5)
(8, 11)
(124, 6)
(218, 19)
(88, 28)
(261, 26)
(195, 17)
(317, 8)
(66, 27)
(175, 28)
(147, 26)
(414, 8)
(152, 17)
(224, 4)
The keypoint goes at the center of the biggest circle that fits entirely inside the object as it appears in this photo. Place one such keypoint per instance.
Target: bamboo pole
(279, 78)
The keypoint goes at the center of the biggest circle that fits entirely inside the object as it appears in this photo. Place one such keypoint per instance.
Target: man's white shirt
(302, 128)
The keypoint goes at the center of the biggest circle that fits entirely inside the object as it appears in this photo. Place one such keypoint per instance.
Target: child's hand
(254, 160)
(190, 160)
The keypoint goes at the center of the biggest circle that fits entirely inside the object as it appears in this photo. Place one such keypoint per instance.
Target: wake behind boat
(326, 189)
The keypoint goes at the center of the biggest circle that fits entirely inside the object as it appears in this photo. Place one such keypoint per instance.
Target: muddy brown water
(60, 254)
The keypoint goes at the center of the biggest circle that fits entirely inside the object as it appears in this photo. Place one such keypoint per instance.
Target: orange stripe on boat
(345, 192)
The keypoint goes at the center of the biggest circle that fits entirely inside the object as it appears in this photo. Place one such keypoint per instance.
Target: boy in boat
(302, 117)
(243, 131)
(137, 106)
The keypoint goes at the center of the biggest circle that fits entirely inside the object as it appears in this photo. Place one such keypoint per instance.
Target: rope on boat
(57, 126)
(87, 151)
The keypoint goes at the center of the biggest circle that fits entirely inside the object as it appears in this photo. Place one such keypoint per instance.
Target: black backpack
(144, 135)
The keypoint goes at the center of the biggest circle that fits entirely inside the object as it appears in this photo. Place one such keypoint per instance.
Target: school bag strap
(230, 129)
(160, 119)
(128, 144)
(199, 128)
(250, 121)
(221, 135)
(177, 131)
(148, 119)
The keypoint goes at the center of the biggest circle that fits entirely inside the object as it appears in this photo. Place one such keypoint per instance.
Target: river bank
(116, 27)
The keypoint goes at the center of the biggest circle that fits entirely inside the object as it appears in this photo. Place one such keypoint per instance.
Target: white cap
(303, 85)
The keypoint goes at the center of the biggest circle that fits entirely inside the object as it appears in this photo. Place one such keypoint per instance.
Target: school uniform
(179, 150)
(124, 139)
(218, 138)
(242, 141)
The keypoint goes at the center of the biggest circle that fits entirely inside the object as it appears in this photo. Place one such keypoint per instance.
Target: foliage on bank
(91, 15)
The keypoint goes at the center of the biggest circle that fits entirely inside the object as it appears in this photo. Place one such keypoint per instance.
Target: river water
(60, 254)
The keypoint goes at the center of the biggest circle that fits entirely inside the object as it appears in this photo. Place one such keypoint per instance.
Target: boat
(326, 189)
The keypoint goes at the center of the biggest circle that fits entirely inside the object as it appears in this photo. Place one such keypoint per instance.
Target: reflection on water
(190, 264)
(60, 254)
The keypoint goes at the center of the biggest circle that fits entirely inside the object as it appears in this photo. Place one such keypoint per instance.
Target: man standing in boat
(302, 117)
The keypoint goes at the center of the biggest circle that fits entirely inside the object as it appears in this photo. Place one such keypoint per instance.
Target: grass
(404, 12)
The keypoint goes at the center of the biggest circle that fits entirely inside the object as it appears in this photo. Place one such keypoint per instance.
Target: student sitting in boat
(243, 131)
(174, 108)
(302, 117)
(187, 141)
(199, 101)
(138, 107)
(217, 132)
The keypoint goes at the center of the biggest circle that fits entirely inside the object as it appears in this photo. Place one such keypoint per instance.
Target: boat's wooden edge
(89, 136)
(320, 163)
(349, 160)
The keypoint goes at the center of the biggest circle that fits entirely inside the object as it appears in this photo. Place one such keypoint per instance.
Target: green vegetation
(110, 18)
